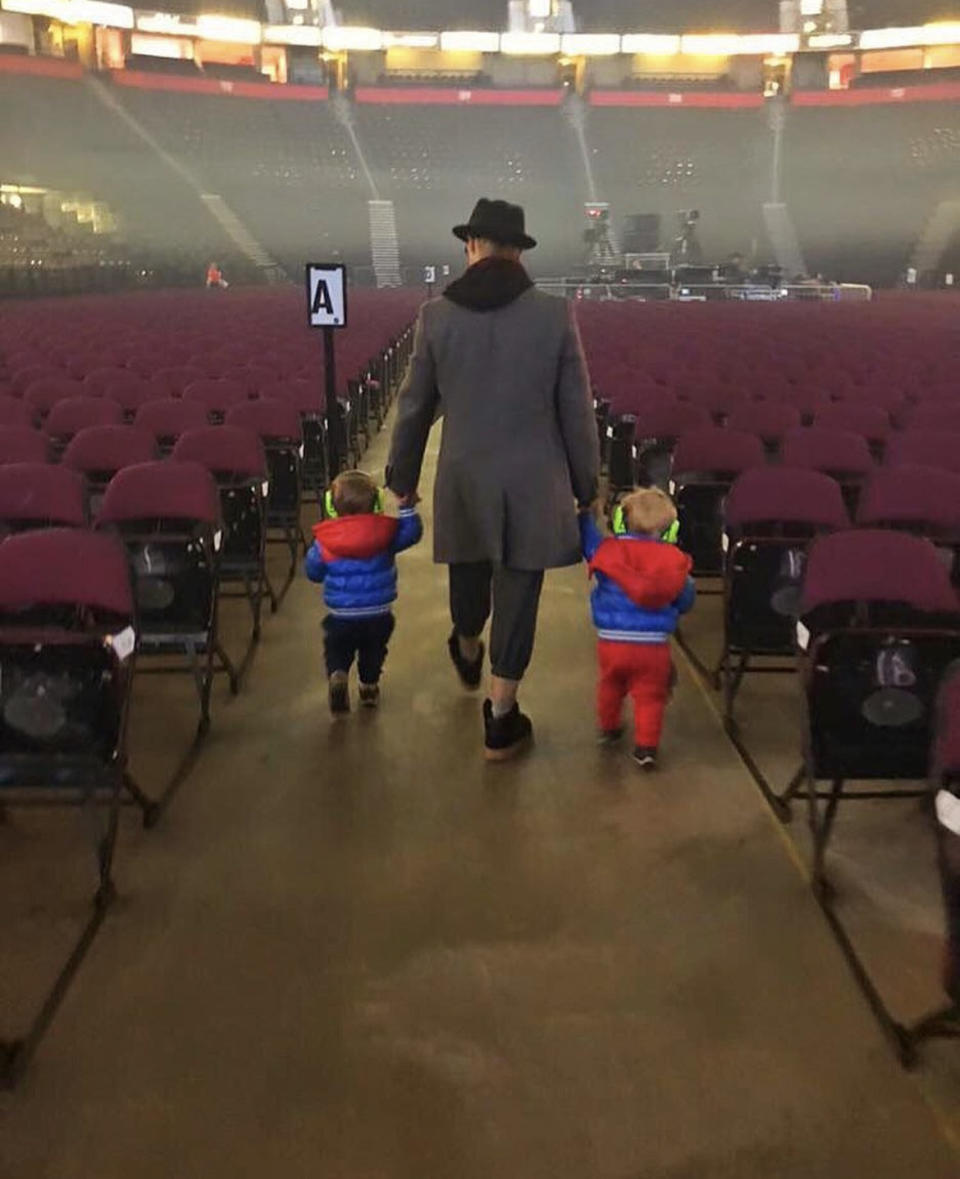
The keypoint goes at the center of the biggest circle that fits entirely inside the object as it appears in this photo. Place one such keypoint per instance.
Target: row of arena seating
(170, 484)
(837, 543)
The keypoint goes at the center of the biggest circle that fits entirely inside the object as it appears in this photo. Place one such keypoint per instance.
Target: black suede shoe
(645, 757)
(505, 736)
(470, 673)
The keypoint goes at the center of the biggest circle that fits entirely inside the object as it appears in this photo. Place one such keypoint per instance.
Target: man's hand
(410, 500)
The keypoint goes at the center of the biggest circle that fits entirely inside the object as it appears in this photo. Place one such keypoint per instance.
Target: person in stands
(643, 585)
(354, 555)
(215, 278)
(502, 363)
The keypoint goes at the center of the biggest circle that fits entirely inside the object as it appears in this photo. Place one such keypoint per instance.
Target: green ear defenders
(331, 512)
(619, 524)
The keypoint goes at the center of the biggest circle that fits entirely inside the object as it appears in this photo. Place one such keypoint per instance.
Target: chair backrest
(928, 448)
(106, 449)
(216, 395)
(172, 381)
(306, 396)
(776, 495)
(716, 450)
(41, 495)
(161, 491)
(770, 420)
(816, 449)
(44, 393)
(73, 414)
(876, 565)
(170, 417)
(15, 412)
(913, 497)
(230, 452)
(934, 416)
(666, 419)
(33, 565)
(130, 392)
(270, 418)
(21, 444)
(868, 420)
(97, 380)
(29, 374)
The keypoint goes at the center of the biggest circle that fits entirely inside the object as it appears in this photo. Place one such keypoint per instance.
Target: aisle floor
(352, 950)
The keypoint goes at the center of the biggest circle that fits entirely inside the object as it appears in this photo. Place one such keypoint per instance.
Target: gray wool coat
(519, 447)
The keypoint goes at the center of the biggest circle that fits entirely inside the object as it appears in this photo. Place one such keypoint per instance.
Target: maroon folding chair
(236, 459)
(216, 396)
(278, 425)
(41, 495)
(100, 451)
(21, 444)
(16, 412)
(168, 518)
(130, 393)
(705, 464)
(771, 516)
(74, 414)
(925, 448)
(67, 645)
(43, 394)
(168, 418)
(841, 454)
(172, 381)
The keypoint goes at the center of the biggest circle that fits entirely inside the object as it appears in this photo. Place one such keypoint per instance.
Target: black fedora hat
(497, 221)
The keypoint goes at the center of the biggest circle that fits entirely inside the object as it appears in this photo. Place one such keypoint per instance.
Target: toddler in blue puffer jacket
(353, 554)
(643, 585)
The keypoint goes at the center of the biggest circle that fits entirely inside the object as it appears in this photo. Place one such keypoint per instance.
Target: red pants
(644, 670)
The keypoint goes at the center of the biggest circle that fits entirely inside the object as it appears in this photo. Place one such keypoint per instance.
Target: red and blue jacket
(643, 585)
(354, 557)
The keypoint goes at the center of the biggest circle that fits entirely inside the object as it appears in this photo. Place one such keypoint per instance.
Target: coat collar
(489, 284)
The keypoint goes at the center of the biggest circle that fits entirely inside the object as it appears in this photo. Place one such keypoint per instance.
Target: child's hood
(357, 537)
(650, 573)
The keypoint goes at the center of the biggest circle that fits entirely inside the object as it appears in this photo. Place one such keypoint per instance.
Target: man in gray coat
(502, 363)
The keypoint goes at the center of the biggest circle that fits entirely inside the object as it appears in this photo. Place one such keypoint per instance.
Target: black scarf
(489, 284)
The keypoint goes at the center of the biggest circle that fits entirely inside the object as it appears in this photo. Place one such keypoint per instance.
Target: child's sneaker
(645, 757)
(369, 695)
(339, 693)
(609, 736)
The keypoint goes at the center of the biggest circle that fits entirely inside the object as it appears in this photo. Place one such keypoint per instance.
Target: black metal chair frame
(734, 662)
(202, 649)
(247, 570)
(103, 784)
(283, 524)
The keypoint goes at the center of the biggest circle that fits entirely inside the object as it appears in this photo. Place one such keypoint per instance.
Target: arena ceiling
(639, 15)
(593, 15)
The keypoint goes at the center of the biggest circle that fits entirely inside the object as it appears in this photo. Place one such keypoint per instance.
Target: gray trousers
(515, 598)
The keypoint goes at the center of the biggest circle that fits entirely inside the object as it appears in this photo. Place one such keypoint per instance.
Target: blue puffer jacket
(643, 585)
(354, 557)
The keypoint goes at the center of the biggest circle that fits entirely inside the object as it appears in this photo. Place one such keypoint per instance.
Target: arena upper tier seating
(298, 174)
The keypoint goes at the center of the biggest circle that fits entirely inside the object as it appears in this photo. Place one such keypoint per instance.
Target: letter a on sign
(327, 294)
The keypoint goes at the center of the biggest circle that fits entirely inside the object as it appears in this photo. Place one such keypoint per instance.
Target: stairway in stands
(384, 246)
(241, 237)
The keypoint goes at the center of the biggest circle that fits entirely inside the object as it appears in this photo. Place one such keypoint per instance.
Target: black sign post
(327, 309)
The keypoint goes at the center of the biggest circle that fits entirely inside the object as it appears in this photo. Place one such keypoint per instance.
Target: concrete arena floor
(353, 951)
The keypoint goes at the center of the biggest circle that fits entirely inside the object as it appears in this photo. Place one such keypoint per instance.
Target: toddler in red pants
(643, 585)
